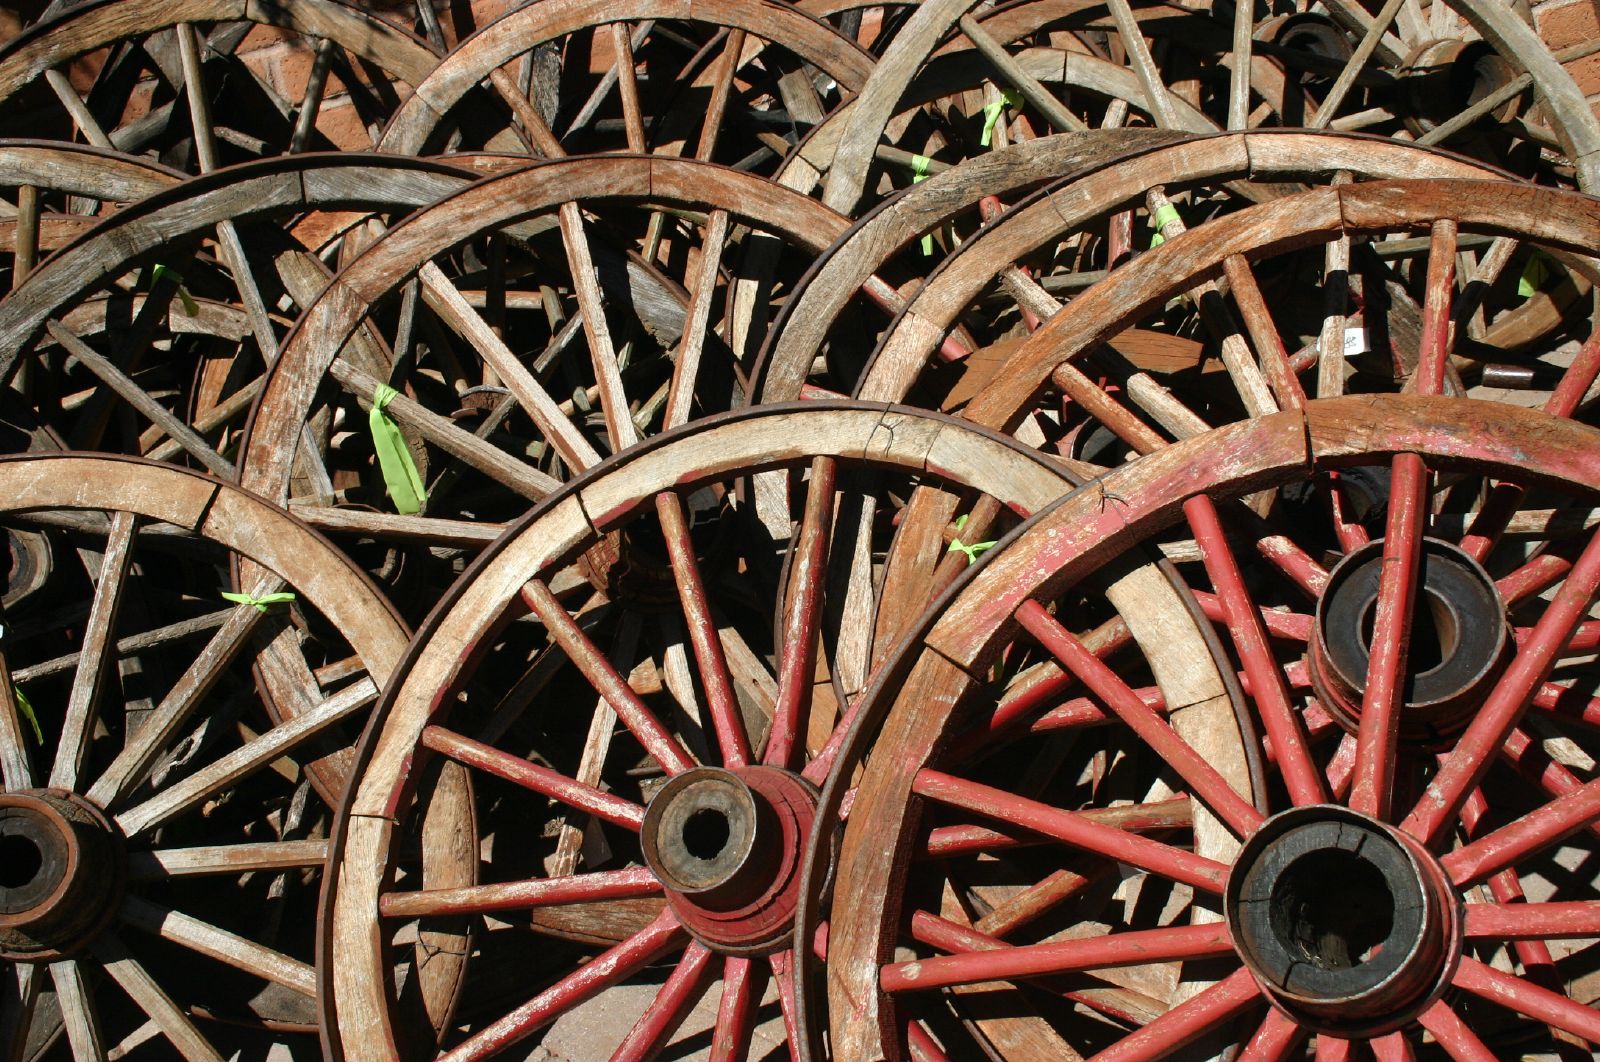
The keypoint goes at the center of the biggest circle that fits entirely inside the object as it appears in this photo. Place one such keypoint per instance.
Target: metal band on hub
(1350, 926)
(61, 872)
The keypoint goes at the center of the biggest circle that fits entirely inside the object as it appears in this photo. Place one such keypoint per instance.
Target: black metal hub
(1347, 924)
(61, 873)
(1459, 641)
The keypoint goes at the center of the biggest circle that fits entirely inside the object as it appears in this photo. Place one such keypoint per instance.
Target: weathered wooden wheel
(161, 841)
(731, 82)
(696, 683)
(514, 373)
(1082, 221)
(173, 80)
(1198, 75)
(1433, 764)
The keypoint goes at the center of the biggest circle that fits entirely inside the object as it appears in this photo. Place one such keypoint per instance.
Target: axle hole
(705, 833)
(1332, 909)
(1434, 634)
(20, 861)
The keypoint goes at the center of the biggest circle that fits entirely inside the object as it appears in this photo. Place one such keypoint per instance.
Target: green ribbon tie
(400, 474)
(27, 713)
(991, 113)
(919, 173)
(1533, 276)
(972, 551)
(1165, 215)
(262, 603)
(190, 307)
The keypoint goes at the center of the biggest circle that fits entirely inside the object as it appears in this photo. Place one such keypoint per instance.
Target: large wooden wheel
(161, 840)
(1423, 704)
(555, 324)
(644, 758)
(733, 82)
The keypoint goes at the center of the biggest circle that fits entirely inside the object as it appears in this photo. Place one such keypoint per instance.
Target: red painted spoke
(1250, 638)
(543, 780)
(671, 1005)
(923, 1047)
(1332, 1049)
(1435, 344)
(1391, 1048)
(742, 982)
(798, 664)
(1293, 626)
(1504, 706)
(1536, 576)
(595, 976)
(783, 971)
(1188, 1021)
(519, 895)
(1137, 948)
(1278, 1037)
(1074, 829)
(1565, 703)
(1381, 702)
(947, 841)
(1527, 999)
(594, 665)
(721, 701)
(1460, 1042)
(1351, 535)
(1536, 830)
(1563, 920)
(1342, 767)
(1532, 761)
(1204, 780)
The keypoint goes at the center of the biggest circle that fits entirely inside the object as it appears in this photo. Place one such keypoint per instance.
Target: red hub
(1350, 926)
(726, 844)
(61, 873)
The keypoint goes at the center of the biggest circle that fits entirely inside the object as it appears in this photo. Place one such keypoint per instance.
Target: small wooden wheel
(161, 840)
(645, 758)
(1423, 702)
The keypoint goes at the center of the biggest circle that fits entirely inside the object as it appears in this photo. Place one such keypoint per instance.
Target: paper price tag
(1355, 341)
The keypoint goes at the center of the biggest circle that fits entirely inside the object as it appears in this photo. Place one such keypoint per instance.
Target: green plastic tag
(400, 474)
(27, 713)
(262, 603)
(1164, 216)
(972, 551)
(919, 173)
(1534, 274)
(992, 111)
(190, 307)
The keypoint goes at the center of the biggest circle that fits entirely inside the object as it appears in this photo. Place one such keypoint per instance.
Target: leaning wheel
(645, 745)
(161, 840)
(1424, 706)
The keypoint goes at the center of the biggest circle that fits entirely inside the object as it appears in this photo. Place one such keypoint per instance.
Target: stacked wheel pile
(863, 531)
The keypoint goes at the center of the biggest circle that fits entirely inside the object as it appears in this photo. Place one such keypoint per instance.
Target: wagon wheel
(1183, 402)
(720, 685)
(945, 50)
(163, 265)
(734, 82)
(1090, 216)
(58, 190)
(1432, 765)
(161, 858)
(529, 340)
(168, 71)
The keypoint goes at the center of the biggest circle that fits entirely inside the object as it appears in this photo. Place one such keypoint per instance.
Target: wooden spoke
(77, 1010)
(179, 1031)
(208, 940)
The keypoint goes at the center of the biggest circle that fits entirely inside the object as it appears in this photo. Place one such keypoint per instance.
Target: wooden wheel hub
(726, 845)
(1349, 925)
(1458, 645)
(61, 870)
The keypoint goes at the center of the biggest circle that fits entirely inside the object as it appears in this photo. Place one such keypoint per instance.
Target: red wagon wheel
(161, 842)
(645, 759)
(1425, 707)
